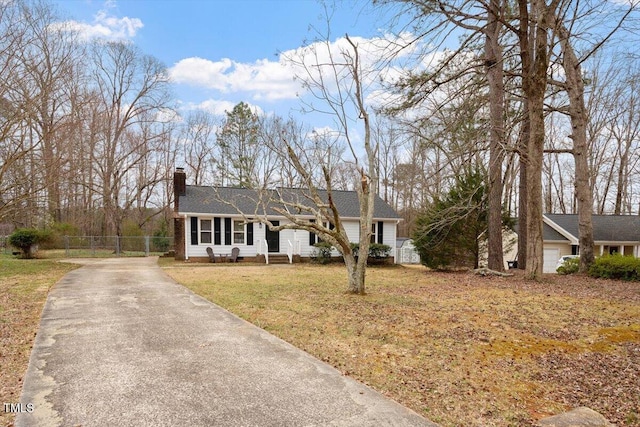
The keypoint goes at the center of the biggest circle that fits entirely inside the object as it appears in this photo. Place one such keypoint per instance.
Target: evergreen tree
(448, 233)
(239, 147)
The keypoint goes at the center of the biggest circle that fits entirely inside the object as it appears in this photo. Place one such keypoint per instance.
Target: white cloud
(324, 133)
(202, 72)
(265, 79)
(104, 26)
(271, 80)
(167, 115)
(219, 107)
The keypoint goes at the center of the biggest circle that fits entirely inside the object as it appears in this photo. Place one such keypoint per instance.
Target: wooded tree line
(86, 128)
(90, 134)
(536, 65)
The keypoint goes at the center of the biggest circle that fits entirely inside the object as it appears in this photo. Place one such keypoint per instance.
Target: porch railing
(290, 251)
(262, 248)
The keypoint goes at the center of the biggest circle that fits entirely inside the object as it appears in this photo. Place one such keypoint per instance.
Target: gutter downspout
(396, 258)
(186, 247)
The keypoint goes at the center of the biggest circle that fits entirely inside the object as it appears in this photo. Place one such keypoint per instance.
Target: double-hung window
(238, 232)
(205, 231)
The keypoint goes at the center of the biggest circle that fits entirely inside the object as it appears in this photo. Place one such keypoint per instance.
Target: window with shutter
(194, 230)
(250, 234)
(205, 231)
(312, 236)
(227, 231)
(217, 232)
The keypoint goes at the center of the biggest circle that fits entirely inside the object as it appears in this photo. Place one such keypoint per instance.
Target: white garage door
(550, 260)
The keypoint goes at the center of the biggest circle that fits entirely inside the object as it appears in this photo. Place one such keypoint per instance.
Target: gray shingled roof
(607, 228)
(199, 199)
(222, 201)
(551, 235)
(548, 233)
(346, 202)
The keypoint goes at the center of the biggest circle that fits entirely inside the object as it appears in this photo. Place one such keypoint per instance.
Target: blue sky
(220, 52)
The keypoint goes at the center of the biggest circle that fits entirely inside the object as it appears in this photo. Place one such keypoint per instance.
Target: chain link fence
(83, 246)
(102, 246)
(5, 247)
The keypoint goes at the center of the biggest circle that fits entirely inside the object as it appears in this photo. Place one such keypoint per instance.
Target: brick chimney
(179, 189)
(179, 186)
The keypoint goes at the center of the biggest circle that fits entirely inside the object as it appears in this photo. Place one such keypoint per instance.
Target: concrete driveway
(122, 344)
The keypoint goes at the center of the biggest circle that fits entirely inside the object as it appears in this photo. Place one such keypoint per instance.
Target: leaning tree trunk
(366, 192)
(578, 113)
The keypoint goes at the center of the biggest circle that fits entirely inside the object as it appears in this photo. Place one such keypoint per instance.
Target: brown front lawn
(24, 285)
(457, 348)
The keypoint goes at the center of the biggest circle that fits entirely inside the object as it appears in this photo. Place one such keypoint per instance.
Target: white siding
(389, 235)
(353, 230)
(200, 250)
(299, 239)
(352, 227)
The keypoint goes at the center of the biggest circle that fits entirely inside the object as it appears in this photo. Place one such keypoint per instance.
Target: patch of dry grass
(24, 285)
(457, 348)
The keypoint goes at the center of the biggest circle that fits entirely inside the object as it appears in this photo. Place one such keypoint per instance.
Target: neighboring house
(213, 217)
(611, 234)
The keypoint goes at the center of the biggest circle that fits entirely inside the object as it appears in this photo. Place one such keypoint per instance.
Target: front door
(273, 238)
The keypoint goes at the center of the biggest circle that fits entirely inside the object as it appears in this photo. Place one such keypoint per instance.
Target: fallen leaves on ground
(24, 285)
(457, 348)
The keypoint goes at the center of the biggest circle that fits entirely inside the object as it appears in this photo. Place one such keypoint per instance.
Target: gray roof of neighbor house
(551, 235)
(606, 228)
(230, 200)
(548, 233)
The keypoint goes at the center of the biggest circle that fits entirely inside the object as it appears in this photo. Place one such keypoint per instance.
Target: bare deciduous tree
(132, 90)
(199, 145)
(344, 91)
(337, 81)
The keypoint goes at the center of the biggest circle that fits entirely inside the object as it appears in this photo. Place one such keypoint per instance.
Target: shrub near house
(378, 252)
(616, 267)
(569, 266)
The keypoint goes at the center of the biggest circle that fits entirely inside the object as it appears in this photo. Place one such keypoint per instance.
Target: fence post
(146, 245)
(66, 246)
(117, 245)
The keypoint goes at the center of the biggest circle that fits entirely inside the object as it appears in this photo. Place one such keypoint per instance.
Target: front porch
(269, 251)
